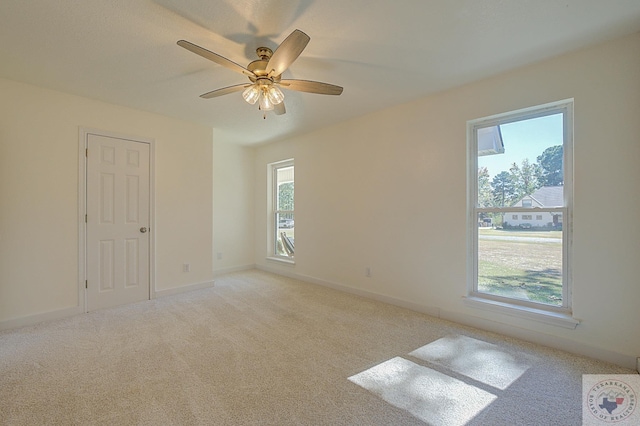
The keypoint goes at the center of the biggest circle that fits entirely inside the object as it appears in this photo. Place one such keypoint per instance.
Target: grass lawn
(521, 267)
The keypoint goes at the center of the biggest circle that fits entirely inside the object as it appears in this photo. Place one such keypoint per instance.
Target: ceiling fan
(265, 74)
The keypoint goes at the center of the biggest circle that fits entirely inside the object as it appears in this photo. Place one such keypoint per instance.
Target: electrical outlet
(367, 272)
(186, 267)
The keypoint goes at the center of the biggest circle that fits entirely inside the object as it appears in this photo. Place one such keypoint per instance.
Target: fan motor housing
(259, 66)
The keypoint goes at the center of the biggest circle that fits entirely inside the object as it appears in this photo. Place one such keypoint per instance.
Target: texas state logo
(610, 400)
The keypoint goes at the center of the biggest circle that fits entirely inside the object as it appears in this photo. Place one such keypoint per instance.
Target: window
(517, 262)
(282, 210)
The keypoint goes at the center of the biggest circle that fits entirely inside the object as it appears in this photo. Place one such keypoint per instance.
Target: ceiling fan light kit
(265, 103)
(265, 91)
(251, 94)
(275, 95)
(265, 74)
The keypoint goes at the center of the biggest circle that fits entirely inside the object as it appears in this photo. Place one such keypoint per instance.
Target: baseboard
(69, 312)
(38, 318)
(543, 339)
(428, 310)
(183, 289)
(224, 271)
(531, 336)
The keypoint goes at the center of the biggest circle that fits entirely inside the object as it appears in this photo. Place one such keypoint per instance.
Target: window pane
(285, 181)
(520, 263)
(285, 238)
(519, 197)
(520, 158)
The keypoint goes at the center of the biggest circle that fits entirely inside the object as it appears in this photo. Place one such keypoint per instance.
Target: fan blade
(287, 52)
(311, 87)
(220, 60)
(224, 91)
(279, 109)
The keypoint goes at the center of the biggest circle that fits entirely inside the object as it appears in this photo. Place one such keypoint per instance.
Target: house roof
(549, 196)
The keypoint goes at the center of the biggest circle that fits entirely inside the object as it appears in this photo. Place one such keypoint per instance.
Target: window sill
(548, 317)
(282, 260)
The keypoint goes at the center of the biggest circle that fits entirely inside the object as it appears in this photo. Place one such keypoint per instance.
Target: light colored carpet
(266, 350)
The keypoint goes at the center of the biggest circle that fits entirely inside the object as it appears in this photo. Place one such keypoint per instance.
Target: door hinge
(85, 218)
(86, 283)
(86, 152)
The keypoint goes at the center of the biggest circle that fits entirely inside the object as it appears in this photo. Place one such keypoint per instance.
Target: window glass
(522, 166)
(283, 214)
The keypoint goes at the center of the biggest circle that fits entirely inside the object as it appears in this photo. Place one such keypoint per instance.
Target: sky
(524, 139)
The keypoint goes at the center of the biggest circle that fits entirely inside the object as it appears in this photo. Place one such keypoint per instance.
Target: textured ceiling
(382, 52)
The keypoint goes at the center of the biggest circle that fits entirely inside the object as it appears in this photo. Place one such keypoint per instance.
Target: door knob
(143, 229)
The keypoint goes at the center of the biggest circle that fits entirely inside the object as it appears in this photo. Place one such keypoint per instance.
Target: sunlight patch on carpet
(430, 396)
(476, 359)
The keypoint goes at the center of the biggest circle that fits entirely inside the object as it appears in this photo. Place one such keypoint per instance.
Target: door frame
(83, 138)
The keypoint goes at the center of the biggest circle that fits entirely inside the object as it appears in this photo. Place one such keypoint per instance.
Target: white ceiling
(382, 52)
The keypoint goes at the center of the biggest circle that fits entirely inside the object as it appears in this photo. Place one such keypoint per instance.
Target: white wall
(388, 191)
(233, 180)
(39, 131)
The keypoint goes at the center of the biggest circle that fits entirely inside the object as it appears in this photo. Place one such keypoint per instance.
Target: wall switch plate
(219, 256)
(186, 267)
(367, 272)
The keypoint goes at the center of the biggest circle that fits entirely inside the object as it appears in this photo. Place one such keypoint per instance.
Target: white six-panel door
(117, 221)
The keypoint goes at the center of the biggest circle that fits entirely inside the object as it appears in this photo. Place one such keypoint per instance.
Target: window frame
(273, 212)
(559, 315)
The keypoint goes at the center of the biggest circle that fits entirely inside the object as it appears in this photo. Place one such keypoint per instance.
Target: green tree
(285, 196)
(551, 171)
(524, 178)
(485, 197)
(503, 190)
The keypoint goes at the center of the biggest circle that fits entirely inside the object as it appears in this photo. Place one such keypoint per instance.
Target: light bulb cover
(265, 102)
(275, 95)
(251, 94)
